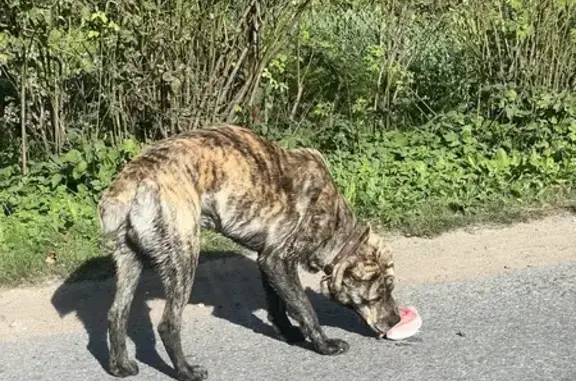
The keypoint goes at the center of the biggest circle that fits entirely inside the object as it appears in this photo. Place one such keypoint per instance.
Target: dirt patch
(478, 252)
(224, 280)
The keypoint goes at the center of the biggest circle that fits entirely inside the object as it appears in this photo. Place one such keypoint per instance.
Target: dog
(280, 203)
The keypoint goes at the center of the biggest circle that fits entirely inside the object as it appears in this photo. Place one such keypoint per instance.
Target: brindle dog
(282, 204)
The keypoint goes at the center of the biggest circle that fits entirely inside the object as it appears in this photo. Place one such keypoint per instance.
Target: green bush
(454, 168)
(431, 114)
(52, 209)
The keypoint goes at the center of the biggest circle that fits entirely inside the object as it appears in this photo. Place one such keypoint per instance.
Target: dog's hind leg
(113, 220)
(178, 269)
(170, 234)
(128, 270)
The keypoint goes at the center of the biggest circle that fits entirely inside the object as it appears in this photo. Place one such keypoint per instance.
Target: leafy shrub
(461, 162)
(427, 111)
(58, 194)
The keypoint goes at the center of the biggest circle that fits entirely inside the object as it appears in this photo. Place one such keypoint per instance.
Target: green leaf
(82, 189)
(81, 166)
(56, 180)
(502, 157)
(73, 156)
(54, 37)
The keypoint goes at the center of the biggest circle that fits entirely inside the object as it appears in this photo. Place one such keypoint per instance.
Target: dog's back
(229, 178)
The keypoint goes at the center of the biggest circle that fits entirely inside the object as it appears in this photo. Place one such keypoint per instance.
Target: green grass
(26, 262)
(432, 220)
(23, 259)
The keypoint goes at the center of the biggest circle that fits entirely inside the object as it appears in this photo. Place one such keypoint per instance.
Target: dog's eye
(373, 300)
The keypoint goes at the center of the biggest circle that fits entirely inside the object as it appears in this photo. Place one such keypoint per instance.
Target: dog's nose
(394, 319)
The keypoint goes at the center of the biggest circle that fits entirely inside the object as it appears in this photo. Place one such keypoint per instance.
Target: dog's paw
(334, 347)
(124, 368)
(192, 373)
(292, 335)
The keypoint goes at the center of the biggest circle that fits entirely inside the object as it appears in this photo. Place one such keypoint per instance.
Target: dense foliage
(431, 113)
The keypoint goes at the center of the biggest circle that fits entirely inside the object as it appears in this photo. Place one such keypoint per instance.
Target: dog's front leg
(277, 313)
(282, 273)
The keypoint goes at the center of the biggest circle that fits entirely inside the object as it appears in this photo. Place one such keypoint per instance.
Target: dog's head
(362, 278)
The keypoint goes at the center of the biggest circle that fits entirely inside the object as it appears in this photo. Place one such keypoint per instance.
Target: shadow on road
(227, 281)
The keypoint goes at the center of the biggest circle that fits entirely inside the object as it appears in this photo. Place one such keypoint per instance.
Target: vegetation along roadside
(433, 115)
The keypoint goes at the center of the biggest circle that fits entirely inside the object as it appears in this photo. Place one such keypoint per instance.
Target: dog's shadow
(229, 282)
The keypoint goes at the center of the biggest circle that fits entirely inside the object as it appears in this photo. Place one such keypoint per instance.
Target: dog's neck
(344, 249)
(342, 231)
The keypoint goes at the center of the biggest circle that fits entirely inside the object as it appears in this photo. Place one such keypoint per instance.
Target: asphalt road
(516, 326)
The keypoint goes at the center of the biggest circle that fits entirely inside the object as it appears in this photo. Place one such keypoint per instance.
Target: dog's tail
(136, 206)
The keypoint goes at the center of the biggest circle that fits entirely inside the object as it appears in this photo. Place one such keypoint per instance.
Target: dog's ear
(349, 248)
(354, 243)
(366, 269)
(348, 259)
